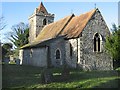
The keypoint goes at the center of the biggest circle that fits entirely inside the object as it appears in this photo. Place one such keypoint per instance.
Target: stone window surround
(59, 60)
(60, 53)
(100, 43)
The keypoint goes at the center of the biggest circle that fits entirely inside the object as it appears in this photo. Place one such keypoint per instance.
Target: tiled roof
(77, 24)
(54, 29)
(41, 44)
(70, 26)
(41, 8)
(50, 31)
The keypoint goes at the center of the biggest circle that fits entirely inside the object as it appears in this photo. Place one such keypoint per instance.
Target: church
(74, 41)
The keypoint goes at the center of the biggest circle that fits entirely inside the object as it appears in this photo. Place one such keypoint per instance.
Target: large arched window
(44, 21)
(57, 54)
(97, 42)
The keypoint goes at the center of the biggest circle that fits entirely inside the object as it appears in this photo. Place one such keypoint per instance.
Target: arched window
(71, 50)
(57, 54)
(31, 52)
(44, 22)
(97, 43)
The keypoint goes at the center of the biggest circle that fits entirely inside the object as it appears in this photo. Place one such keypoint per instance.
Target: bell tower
(38, 20)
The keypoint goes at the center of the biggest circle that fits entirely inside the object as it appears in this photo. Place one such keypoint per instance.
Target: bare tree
(2, 26)
(2, 23)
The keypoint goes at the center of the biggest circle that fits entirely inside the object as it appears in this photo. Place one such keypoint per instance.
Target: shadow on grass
(106, 82)
(29, 77)
(20, 76)
(109, 84)
(78, 75)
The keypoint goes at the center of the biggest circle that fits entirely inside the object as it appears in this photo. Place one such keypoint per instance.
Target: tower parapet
(38, 20)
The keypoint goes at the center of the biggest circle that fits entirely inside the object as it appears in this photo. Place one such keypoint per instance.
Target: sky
(119, 13)
(16, 12)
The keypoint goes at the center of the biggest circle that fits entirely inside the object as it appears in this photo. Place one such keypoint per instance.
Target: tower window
(43, 12)
(57, 54)
(44, 21)
(97, 42)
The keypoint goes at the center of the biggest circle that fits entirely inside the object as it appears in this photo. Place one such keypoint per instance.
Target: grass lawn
(15, 76)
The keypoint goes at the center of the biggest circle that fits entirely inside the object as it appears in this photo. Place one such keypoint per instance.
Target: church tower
(38, 20)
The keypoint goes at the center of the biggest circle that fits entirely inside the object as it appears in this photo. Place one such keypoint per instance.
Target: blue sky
(16, 12)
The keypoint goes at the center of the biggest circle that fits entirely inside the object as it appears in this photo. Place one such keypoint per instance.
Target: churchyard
(24, 77)
(83, 41)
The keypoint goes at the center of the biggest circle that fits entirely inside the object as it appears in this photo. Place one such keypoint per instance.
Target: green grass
(118, 69)
(12, 62)
(15, 76)
(20, 76)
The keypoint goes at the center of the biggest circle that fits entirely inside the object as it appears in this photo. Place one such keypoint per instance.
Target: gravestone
(46, 76)
(6, 60)
(17, 61)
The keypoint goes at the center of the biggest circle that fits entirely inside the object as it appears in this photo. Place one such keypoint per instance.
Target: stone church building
(74, 41)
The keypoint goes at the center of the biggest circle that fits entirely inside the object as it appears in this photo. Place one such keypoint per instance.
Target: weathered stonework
(71, 60)
(74, 52)
(57, 44)
(95, 60)
(35, 56)
(36, 23)
(84, 56)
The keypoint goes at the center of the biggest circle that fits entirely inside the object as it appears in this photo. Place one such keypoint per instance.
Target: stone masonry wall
(93, 60)
(34, 57)
(36, 23)
(25, 57)
(71, 59)
(54, 45)
(39, 56)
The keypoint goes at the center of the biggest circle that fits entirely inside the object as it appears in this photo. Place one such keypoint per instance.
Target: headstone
(6, 60)
(17, 61)
(65, 73)
(46, 77)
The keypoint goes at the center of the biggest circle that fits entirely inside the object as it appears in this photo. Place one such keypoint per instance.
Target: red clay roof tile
(70, 26)
(41, 8)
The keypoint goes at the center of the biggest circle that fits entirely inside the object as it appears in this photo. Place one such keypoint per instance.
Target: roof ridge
(66, 24)
(57, 21)
(71, 33)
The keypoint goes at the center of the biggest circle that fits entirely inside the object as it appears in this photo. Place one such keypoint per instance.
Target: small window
(43, 12)
(57, 54)
(97, 44)
(44, 22)
(71, 50)
(31, 52)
